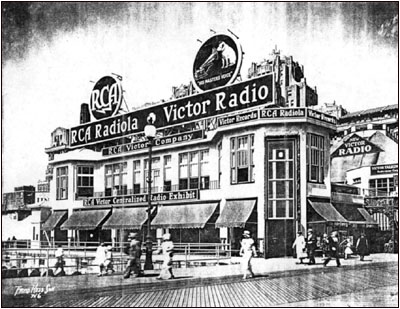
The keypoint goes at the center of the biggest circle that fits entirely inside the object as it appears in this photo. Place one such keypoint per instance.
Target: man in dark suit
(333, 243)
(311, 245)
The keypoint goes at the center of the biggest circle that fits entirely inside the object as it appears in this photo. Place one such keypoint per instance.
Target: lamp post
(150, 132)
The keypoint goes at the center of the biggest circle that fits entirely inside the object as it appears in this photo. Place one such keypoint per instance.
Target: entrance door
(280, 187)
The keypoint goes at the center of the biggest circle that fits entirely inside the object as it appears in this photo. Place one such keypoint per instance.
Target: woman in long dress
(300, 244)
(247, 250)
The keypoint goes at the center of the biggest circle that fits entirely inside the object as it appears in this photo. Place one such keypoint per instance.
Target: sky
(52, 52)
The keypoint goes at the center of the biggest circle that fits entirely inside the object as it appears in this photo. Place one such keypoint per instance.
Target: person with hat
(134, 251)
(362, 246)
(333, 242)
(300, 244)
(167, 250)
(311, 245)
(247, 250)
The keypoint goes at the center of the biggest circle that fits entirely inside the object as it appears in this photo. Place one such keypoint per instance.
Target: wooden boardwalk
(256, 292)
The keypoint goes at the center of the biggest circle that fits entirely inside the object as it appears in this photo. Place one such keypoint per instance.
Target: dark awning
(54, 220)
(327, 212)
(350, 212)
(235, 213)
(368, 218)
(85, 219)
(126, 218)
(183, 216)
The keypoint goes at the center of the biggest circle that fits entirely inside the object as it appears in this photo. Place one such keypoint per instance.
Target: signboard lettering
(282, 113)
(223, 121)
(142, 198)
(321, 116)
(166, 140)
(355, 145)
(385, 169)
(251, 93)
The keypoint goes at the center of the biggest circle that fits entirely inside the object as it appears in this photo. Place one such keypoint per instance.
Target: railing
(23, 262)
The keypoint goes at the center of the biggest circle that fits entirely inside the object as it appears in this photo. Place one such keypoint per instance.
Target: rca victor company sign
(217, 62)
(355, 145)
(251, 93)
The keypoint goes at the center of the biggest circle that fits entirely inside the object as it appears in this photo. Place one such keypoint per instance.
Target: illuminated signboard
(355, 145)
(106, 98)
(385, 169)
(217, 62)
(162, 141)
(250, 93)
(142, 198)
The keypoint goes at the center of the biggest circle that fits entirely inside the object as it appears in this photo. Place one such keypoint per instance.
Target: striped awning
(85, 219)
(54, 220)
(235, 213)
(369, 220)
(184, 216)
(126, 218)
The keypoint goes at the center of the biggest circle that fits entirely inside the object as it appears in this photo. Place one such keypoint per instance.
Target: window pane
(281, 170)
(243, 174)
(280, 209)
(270, 208)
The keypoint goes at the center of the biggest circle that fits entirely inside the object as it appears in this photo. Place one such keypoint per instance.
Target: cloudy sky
(51, 52)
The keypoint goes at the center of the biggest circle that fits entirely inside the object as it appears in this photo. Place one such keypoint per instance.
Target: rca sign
(106, 98)
(355, 145)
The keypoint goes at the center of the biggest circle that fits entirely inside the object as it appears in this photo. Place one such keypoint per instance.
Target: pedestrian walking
(362, 246)
(59, 267)
(108, 264)
(311, 245)
(100, 258)
(247, 251)
(333, 242)
(300, 245)
(167, 250)
(134, 251)
(347, 248)
(325, 245)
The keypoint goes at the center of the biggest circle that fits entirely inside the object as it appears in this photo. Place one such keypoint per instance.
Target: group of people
(306, 247)
(134, 251)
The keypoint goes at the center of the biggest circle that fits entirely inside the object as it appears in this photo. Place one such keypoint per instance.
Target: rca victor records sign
(217, 62)
(106, 98)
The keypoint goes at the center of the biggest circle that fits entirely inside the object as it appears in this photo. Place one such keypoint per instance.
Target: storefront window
(116, 179)
(167, 173)
(193, 170)
(84, 181)
(136, 177)
(155, 174)
(62, 183)
(381, 186)
(242, 163)
(315, 158)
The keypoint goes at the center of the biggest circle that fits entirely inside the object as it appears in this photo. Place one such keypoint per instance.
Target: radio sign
(106, 98)
(217, 62)
(355, 145)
